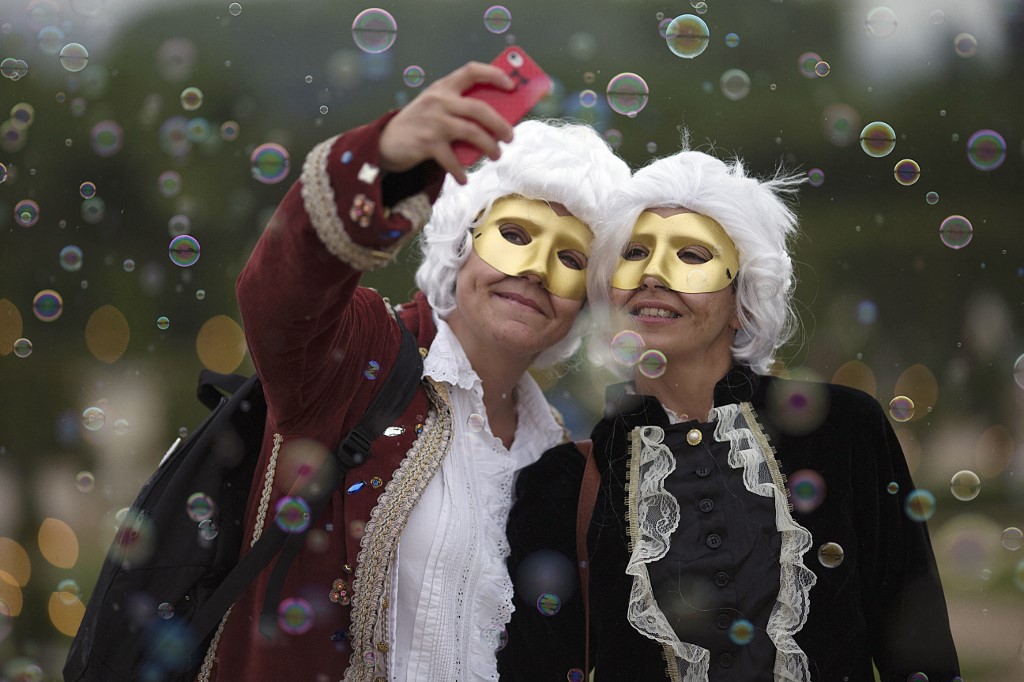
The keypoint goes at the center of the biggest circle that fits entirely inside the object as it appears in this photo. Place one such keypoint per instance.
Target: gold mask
(526, 237)
(671, 249)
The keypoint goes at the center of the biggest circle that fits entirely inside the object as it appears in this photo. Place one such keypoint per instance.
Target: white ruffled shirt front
(453, 595)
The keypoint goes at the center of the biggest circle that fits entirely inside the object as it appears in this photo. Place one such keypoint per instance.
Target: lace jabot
(654, 516)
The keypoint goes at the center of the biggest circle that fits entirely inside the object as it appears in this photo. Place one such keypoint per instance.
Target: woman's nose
(651, 282)
(532, 277)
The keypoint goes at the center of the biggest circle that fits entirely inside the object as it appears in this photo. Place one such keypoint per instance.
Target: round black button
(714, 540)
(725, 660)
(721, 578)
(703, 470)
(706, 505)
(723, 621)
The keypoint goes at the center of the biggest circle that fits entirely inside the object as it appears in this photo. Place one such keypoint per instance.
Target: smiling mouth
(654, 312)
(521, 300)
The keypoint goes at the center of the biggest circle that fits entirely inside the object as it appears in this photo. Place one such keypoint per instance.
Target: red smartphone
(531, 86)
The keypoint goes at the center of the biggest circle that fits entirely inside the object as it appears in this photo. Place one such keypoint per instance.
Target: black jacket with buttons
(883, 604)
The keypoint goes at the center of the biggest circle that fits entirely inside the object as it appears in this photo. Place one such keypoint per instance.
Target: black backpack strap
(213, 386)
(385, 408)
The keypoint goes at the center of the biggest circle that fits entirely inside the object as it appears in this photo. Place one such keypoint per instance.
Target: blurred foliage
(876, 284)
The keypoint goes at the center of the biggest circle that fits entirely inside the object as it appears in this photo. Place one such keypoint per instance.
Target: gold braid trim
(211, 654)
(268, 487)
(368, 631)
(632, 489)
(633, 529)
(261, 515)
(319, 200)
(778, 478)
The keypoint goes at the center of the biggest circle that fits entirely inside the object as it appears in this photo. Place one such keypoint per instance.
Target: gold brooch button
(694, 437)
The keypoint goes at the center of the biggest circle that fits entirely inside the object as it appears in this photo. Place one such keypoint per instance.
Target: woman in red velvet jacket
(404, 575)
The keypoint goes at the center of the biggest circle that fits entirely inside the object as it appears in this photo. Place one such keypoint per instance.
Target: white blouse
(453, 596)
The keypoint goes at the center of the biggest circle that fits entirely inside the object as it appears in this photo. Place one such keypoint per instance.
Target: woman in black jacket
(702, 565)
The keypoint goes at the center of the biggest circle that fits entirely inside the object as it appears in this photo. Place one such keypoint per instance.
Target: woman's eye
(514, 234)
(574, 260)
(635, 252)
(694, 255)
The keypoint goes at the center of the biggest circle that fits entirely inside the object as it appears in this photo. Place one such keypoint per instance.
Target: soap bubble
(735, 84)
(687, 36)
(1012, 538)
(74, 57)
(986, 150)
(191, 98)
(919, 505)
(907, 172)
(47, 305)
(374, 30)
(184, 250)
(965, 45)
(881, 22)
(626, 347)
(878, 139)
(627, 94)
(200, 506)
(93, 418)
(965, 485)
(269, 163)
(22, 348)
(956, 231)
(413, 76)
(901, 408)
(26, 213)
(830, 555)
(497, 19)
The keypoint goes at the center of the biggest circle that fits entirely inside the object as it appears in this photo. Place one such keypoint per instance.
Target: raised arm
(360, 197)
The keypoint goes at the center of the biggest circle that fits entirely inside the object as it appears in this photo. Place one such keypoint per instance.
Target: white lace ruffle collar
(447, 362)
(654, 517)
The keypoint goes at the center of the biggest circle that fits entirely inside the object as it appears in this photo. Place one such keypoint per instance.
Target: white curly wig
(554, 161)
(754, 214)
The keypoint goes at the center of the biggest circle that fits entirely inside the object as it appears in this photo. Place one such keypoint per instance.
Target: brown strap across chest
(584, 512)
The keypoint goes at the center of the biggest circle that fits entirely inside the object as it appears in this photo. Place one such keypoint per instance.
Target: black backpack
(173, 569)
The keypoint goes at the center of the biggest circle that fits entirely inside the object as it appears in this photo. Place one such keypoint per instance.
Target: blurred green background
(886, 305)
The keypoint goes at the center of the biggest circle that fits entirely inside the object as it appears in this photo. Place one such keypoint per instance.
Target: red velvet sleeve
(308, 324)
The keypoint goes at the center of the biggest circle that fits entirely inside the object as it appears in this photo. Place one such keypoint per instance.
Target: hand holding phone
(469, 110)
(531, 86)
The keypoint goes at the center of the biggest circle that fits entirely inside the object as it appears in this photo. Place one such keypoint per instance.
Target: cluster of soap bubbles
(629, 350)
(13, 69)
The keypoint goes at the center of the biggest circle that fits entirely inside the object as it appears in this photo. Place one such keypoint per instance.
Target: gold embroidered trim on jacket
(319, 200)
(261, 516)
(634, 481)
(211, 654)
(372, 584)
(778, 478)
(268, 486)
